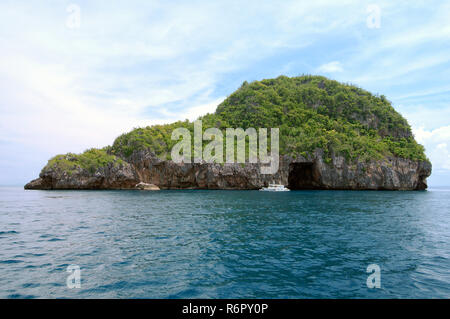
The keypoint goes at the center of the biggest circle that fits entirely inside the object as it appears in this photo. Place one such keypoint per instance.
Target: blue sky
(67, 86)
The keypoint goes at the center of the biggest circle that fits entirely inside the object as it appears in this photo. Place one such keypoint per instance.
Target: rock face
(147, 187)
(143, 168)
(109, 177)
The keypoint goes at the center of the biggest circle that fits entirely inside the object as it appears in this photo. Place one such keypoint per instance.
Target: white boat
(275, 188)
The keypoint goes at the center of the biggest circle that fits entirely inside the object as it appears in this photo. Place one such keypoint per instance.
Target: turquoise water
(224, 244)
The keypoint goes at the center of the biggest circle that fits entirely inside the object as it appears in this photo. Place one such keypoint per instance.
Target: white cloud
(75, 88)
(423, 116)
(196, 111)
(330, 67)
(437, 145)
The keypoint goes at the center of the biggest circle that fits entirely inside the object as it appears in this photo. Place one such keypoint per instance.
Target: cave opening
(303, 176)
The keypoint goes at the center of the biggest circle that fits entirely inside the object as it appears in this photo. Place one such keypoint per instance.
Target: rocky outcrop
(112, 176)
(295, 173)
(147, 187)
(389, 174)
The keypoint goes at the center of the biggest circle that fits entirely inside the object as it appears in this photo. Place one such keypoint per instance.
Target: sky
(76, 74)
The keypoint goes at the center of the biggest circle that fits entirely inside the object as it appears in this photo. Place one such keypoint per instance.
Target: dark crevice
(303, 176)
(422, 184)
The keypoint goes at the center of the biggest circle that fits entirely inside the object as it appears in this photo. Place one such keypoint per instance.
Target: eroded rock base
(295, 173)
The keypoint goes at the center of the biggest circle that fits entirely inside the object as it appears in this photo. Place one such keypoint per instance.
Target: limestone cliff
(296, 173)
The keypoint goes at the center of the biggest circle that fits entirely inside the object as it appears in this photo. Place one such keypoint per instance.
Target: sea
(224, 244)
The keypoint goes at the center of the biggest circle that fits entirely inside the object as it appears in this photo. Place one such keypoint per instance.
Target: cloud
(424, 115)
(437, 145)
(331, 67)
(196, 111)
(76, 87)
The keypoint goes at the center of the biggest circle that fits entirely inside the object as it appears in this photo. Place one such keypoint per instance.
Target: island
(332, 136)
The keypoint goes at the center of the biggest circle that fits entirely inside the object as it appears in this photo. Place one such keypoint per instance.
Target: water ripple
(224, 244)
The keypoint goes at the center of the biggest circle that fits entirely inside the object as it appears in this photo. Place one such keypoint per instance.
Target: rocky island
(332, 136)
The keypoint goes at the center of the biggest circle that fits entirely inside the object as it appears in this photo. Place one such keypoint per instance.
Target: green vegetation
(157, 138)
(310, 111)
(90, 160)
(315, 112)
